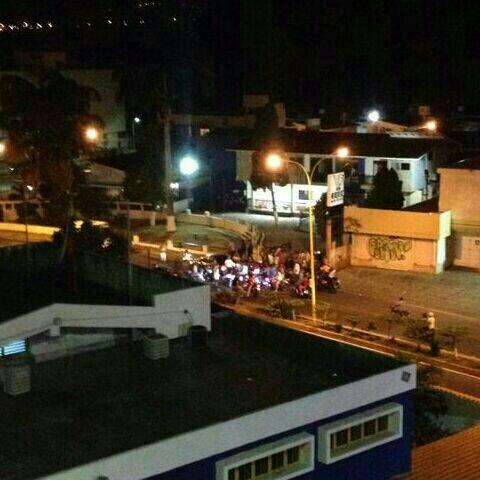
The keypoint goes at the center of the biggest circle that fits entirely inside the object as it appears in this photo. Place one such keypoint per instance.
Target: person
(431, 321)
(399, 307)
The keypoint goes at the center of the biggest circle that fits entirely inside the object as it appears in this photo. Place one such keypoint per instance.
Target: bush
(434, 347)
(284, 308)
(337, 327)
(226, 296)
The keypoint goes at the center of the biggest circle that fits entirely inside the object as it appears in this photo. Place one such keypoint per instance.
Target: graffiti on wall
(389, 248)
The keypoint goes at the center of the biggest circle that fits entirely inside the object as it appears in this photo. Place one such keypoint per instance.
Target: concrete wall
(398, 240)
(398, 223)
(460, 193)
(216, 222)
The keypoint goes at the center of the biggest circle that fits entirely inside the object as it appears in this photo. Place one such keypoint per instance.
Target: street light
(431, 126)
(3, 147)
(135, 121)
(373, 116)
(188, 165)
(92, 134)
(274, 162)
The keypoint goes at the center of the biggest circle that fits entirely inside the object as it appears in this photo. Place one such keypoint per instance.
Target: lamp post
(275, 162)
(189, 166)
(135, 121)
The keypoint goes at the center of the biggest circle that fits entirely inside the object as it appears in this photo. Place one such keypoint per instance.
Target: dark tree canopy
(387, 190)
(267, 138)
(45, 120)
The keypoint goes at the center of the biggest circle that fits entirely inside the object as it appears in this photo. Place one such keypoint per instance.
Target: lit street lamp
(189, 166)
(275, 161)
(135, 121)
(431, 126)
(373, 116)
(3, 148)
(92, 134)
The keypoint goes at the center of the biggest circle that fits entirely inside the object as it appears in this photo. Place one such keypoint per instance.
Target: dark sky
(316, 53)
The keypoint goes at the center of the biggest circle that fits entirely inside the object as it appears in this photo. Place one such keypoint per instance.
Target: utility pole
(171, 228)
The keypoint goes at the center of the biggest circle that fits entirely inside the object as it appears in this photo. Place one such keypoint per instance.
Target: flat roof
(376, 145)
(45, 281)
(94, 405)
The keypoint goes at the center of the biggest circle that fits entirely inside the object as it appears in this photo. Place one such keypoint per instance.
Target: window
(303, 194)
(360, 432)
(12, 348)
(281, 460)
(405, 166)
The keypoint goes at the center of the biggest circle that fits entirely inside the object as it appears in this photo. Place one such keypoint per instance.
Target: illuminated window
(360, 432)
(281, 460)
(12, 348)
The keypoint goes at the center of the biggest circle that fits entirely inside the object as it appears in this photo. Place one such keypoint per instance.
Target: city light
(431, 125)
(188, 165)
(274, 161)
(137, 120)
(343, 152)
(373, 116)
(92, 134)
(3, 148)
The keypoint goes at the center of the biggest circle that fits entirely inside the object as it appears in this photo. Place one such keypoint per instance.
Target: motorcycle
(328, 282)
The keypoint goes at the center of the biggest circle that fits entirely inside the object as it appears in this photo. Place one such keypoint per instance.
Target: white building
(413, 158)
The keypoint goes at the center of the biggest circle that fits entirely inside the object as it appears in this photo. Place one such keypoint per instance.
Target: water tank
(156, 346)
(197, 336)
(17, 376)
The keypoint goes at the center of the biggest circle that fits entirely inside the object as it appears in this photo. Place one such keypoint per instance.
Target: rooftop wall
(397, 223)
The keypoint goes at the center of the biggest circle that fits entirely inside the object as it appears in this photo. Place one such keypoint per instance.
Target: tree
(387, 190)
(392, 319)
(266, 139)
(320, 213)
(430, 407)
(45, 121)
(417, 329)
(455, 334)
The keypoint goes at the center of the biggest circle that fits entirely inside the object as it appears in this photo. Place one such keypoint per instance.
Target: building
(459, 193)
(413, 158)
(455, 456)
(409, 239)
(249, 400)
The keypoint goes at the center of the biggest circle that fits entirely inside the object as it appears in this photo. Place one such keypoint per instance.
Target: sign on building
(336, 189)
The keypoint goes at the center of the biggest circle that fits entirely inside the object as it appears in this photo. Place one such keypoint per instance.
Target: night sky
(312, 54)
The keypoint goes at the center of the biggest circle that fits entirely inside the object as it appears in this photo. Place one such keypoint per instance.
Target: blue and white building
(256, 402)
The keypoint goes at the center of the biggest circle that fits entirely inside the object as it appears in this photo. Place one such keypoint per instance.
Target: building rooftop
(466, 164)
(99, 280)
(375, 145)
(454, 457)
(86, 407)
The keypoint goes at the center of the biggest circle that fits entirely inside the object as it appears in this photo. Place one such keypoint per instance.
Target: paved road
(461, 379)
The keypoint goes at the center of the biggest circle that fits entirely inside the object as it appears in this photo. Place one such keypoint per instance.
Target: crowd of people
(278, 269)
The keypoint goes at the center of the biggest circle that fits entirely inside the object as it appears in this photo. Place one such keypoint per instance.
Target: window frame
(269, 449)
(326, 433)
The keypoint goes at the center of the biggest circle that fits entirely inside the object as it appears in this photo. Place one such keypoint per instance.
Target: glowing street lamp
(3, 148)
(274, 161)
(92, 134)
(373, 116)
(188, 165)
(342, 152)
(431, 126)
